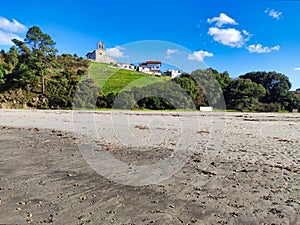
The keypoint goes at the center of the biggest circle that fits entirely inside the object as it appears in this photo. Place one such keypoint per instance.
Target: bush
(268, 107)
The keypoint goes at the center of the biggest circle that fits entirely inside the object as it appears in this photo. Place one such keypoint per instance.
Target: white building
(150, 67)
(172, 73)
(126, 66)
(100, 55)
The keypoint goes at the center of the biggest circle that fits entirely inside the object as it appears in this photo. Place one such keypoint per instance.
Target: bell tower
(100, 45)
(100, 55)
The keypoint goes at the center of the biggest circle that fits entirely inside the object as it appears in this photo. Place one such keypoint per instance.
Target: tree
(86, 94)
(223, 79)
(4, 69)
(243, 94)
(189, 85)
(11, 56)
(37, 52)
(40, 42)
(277, 86)
(291, 102)
(43, 49)
(210, 87)
(162, 95)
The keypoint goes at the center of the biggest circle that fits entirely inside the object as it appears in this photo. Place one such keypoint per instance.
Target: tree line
(33, 75)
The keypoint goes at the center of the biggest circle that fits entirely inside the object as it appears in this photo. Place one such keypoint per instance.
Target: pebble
(83, 198)
(24, 203)
(194, 220)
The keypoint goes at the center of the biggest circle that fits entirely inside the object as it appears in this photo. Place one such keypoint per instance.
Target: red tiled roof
(153, 62)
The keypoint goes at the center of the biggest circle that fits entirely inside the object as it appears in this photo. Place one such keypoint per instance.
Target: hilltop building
(150, 67)
(126, 66)
(172, 73)
(100, 55)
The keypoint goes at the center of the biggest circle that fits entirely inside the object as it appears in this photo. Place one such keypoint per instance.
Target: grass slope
(114, 80)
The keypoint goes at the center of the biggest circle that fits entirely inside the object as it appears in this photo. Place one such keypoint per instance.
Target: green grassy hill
(114, 80)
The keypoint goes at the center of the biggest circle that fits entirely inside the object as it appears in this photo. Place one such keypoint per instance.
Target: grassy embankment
(112, 79)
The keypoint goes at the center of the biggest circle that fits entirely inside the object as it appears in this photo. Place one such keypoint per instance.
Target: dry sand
(244, 168)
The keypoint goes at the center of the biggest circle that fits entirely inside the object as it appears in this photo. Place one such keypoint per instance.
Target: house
(150, 67)
(172, 73)
(100, 55)
(297, 92)
(126, 66)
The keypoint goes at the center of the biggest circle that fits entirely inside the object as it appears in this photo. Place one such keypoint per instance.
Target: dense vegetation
(33, 75)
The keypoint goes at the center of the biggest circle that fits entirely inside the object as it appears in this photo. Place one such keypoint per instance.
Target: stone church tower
(100, 55)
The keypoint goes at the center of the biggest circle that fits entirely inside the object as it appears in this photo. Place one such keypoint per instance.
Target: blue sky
(237, 36)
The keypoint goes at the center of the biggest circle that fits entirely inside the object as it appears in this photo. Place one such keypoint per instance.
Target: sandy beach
(121, 167)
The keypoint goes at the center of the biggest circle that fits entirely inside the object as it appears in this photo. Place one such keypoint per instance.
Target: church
(100, 55)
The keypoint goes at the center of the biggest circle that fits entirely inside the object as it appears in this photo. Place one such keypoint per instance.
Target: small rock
(171, 206)
(197, 188)
(141, 127)
(18, 209)
(234, 214)
(194, 220)
(24, 203)
(83, 198)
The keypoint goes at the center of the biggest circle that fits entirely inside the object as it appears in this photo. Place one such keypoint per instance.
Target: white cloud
(246, 33)
(13, 27)
(10, 30)
(116, 52)
(273, 13)
(222, 19)
(298, 68)
(170, 52)
(6, 37)
(261, 49)
(230, 36)
(200, 55)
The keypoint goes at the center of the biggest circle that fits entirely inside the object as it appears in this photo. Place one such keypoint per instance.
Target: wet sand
(253, 177)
